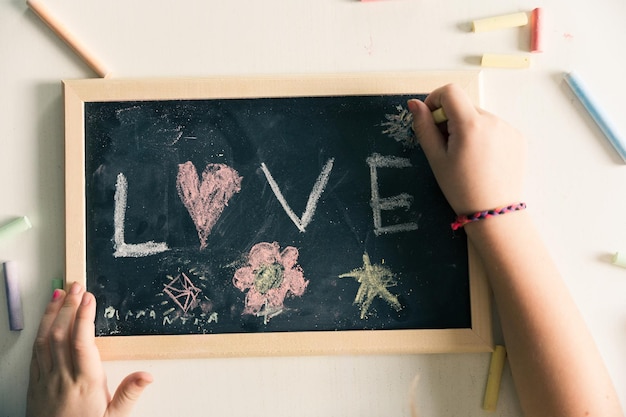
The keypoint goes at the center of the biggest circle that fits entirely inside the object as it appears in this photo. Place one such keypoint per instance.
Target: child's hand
(66, 374)
(478, 159)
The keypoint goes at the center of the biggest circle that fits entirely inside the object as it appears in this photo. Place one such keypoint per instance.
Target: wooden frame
(478, 338)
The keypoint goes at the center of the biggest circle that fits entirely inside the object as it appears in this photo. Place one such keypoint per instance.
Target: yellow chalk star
(374, 280)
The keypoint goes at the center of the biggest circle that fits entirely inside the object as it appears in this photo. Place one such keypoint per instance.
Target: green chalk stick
(57, 284)
(14, 227)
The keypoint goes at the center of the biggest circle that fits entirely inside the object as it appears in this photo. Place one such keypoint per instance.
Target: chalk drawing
(182, 291)
(374, 280)
(399, 127)
(379, 204)
(213, 318)
(205, 200)
(110, 312)
(173, 315)
(269, 276)
(123, 249)
(318, 188)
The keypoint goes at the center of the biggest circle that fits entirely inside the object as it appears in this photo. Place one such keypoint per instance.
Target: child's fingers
(430, 138)
(85, 355)
(454, 102)
(61, 330)
(42, 359)
(128, 393)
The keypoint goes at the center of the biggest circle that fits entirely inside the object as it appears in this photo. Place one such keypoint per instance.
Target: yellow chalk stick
(440, 116)
(493, 380)
(505, 61)
(500, 22)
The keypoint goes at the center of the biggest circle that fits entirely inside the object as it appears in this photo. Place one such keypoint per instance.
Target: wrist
(499, 227)
(478, 216)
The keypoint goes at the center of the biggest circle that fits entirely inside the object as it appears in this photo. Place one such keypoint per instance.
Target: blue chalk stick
(596, 113)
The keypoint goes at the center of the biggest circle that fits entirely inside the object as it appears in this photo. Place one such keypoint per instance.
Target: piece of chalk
(536, 28)
(597, 114)
(57, 284)
(440, 116)
(619, 259)
(500, 22)
(505, 61)
(492, 391)
(14, 227)
(14, 300)
(58, 28)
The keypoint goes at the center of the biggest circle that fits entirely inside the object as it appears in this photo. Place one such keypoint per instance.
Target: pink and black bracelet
(481, 215)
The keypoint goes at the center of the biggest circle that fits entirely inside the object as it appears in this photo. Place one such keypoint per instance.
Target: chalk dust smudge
(399, 127)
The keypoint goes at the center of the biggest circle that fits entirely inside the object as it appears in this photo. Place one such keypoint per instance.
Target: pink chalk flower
(269, 277)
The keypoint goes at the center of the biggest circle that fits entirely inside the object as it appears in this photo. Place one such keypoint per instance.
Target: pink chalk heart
(205, 200)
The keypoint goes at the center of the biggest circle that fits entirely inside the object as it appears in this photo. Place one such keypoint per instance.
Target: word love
(205, 199)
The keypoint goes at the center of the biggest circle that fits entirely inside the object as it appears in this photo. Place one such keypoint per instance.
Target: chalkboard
(219, 215)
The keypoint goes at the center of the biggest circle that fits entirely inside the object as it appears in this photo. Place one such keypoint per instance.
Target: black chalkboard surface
(265, 215)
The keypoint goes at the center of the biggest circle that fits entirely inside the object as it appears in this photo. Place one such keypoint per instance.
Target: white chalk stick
(500, 22)
(505, 61)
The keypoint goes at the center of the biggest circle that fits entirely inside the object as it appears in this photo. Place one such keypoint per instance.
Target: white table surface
(575, 179)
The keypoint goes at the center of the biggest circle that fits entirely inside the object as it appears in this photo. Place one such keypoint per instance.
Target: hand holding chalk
(76, 385)
(479, 163)
(440, 116)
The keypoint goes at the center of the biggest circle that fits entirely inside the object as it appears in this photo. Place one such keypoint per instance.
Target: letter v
(318, 188)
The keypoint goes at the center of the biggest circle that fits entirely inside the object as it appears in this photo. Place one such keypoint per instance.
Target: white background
(576, 187)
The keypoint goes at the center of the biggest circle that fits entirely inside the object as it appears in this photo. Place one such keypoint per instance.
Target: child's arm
(66, 374)
(478, 163)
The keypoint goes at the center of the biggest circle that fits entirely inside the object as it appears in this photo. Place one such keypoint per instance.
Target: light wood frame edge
(478, 338)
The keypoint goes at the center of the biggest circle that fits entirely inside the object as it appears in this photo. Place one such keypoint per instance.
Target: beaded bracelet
(481, 215)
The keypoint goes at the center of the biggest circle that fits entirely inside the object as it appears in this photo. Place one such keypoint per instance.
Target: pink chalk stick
(536, 27)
